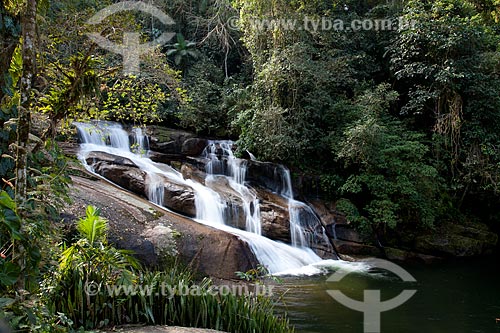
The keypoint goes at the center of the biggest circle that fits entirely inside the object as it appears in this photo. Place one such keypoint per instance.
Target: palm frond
(93, 227)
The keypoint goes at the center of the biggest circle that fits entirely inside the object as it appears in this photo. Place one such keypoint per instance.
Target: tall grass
(97, 286)
(227, 312)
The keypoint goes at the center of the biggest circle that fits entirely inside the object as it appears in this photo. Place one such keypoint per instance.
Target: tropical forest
(246, 166)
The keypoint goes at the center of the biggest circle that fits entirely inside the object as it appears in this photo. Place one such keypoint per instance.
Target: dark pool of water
(451, 297)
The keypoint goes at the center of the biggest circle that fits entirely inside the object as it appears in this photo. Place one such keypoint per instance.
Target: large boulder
(194, 146)
(137, 225)
(275, 221)
(119, 170)
(177, 196)
(274, 215)
(335, 222)
(165, 158)
(269, 175)
(458, 240)
(166, 140)
(188, 171)
(98, 156)
(129, 178)
(327, 212)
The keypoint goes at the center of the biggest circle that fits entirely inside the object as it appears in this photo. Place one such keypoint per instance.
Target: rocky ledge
(181, 150)
(156, 235)
(180, 198)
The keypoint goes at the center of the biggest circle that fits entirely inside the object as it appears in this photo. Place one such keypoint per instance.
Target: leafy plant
(183, 51)
(391, 175)
(89, 261)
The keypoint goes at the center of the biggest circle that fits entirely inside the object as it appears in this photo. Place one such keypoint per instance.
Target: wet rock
(268, 175)
(95, 157)
(351, 248)
(164, 158)
(128, 177)
(275, 222)
(274, 215)
(176, 196)
(166, 140)
(170, 147)
(190, 172)
(193, 146)
(235, 211)
(456, 240)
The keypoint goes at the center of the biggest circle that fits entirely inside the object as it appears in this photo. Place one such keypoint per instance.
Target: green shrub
(97, 285)
(88, 262)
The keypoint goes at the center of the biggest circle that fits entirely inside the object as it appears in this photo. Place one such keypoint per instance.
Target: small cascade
(221, 161)
(209, 206)
(252, 156)
(104, 134)
(140, 145)
(154, 188)
(334, 231)
(225, 180)
(118, 138)
(306, 229)
(90, 134)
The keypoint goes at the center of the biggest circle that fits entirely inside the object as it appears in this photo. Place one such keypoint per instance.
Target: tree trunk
(8, 43)
(28, 26)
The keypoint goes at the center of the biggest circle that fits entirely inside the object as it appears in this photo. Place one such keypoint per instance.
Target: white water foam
(279, 258)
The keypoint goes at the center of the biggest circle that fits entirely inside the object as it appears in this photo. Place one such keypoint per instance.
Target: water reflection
(453, 297)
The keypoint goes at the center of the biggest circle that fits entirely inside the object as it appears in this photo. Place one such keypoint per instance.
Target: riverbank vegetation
(400, 127)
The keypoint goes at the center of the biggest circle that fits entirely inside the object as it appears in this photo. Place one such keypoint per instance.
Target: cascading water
(223, 162)
(306, 230)
(141, 143)
(211, 209)
(305, 227)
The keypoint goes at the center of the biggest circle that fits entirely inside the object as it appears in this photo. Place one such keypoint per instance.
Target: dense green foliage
(402, 123)
(97, 285)
(400, 127)
(89, 260)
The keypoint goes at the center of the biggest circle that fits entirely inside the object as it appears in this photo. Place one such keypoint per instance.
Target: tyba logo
(131, 49)
(372, 305)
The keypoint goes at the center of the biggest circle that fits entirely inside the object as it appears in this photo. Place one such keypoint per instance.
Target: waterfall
(221, 161)
(306, 229)
(211, 207)
(118, 138)
(154, 189)
(334, 231)
(141, 143)
(252, 156)
(90, 134)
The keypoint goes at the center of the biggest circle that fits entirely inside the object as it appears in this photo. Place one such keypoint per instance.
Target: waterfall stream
(211, 208)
